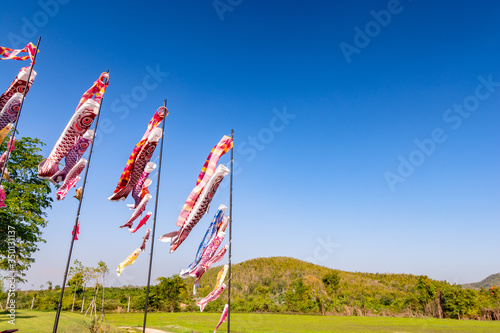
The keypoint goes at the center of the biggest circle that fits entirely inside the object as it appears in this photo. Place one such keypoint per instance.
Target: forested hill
(490, 281)
(286, 285)
(282, 284)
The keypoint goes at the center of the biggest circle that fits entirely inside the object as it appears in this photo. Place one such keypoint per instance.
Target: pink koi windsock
(3, 196)
(73, 156)
(224, 145)
(10, 111)
(200, 208)
(141, 222)
(72, 178)
(3, 157)
(76, 230)
(159, 115)
(222, 317)
(18, 85)
(140, 162)
(141, 183)
(80, 122)
(203, 267)
(138, 211)
(211, 297)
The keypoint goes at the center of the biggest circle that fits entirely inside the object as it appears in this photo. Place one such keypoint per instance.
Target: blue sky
(381, 158)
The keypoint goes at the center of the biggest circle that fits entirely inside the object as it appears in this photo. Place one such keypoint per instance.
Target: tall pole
(56, 322)
(230, 237)
(20, 108)
(154, 223)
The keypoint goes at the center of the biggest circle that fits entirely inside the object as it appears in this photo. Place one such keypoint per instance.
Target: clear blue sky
(366, 133)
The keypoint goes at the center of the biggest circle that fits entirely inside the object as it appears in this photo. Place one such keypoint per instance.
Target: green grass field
(42, 322)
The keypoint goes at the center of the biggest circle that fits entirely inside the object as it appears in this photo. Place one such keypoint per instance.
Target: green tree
(331, 281)
(299, 297)
(76, 279)
(169, 293)
(26, 202)
(102, 270)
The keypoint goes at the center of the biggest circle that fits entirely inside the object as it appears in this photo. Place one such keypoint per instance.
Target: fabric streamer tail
(223, 317)
(128, 261)
(199, 209)
(137, 212)
(141, 222)
(3, 196)
(211, 297)
(72, 178)
(159, 115)
(18, 85)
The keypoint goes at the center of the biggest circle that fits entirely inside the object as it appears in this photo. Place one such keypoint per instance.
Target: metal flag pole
(230, 237)
(56, 322)
(154, 222)
(9, 145)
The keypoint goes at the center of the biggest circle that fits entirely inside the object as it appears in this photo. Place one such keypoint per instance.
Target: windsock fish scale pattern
(141, 222)
(177, 237)
(18, 85)
(80, 122)
(71, 180)
(137, 212)
(202, 268)
(142, 159)
(10, 111)
(224, 145)
(137, 191)
(76, 127)
(211, 231)
(211, 297)
(159, 115)
(73, 156)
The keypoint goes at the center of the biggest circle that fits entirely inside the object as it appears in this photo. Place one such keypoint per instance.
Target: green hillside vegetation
(287, 285)
(490, 281)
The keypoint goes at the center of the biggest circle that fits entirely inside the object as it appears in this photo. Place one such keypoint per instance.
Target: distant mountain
(492, 280)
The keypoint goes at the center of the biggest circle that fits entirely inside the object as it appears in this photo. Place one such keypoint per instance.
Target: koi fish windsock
(142, 158)
(18, 85)
(73, 156)
(141, 222)
(206, 264)
(71, 179)
(10, 111)
(76, 230)
(3, 157)
(199, 209)
(4, 131)
(138, 211)
(126, 176)
(211, 297)
(211, 231)
(133, 256)
(3, 196)
(141, 183)
(221, 276)
(79, 123)
(224, 145)
(222, 317)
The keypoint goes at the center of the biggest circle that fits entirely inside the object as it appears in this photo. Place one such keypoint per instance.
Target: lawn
(253, 323)
(42, 322)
